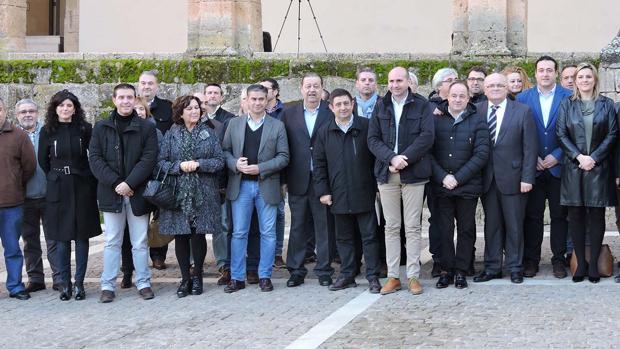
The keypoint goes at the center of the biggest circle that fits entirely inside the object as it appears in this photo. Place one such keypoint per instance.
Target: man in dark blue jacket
(544, 101)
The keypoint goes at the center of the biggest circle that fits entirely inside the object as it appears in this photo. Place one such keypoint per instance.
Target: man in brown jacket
(18, 163)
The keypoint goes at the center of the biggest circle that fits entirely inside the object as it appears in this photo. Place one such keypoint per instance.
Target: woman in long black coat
(587, 131)
(71, 212)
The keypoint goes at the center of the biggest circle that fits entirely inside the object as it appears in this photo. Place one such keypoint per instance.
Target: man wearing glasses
(475, 81)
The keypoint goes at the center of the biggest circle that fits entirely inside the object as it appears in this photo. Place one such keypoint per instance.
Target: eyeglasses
(449, 80)
(495, 86)
(475, 79)
(29, 111)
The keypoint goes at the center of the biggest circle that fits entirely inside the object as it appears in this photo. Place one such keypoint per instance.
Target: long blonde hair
(524, 78)
(581, 66)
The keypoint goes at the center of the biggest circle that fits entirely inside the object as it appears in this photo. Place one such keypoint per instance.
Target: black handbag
(161, 193)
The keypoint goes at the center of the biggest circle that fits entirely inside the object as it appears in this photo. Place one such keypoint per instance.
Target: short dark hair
(214, 84)
(364, 70)
(311, 75)
(478, 69)
(547, 58)
(257, 88)
(339, 92)
(568, 66)
(459, 82)
(124, 86)
(181, 103)
(274, 85)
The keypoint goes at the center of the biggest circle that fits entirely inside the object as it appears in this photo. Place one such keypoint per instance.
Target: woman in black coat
(460, 152)
(587, 131)
(71, 211)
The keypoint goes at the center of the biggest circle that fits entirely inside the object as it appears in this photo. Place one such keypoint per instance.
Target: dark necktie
(493, 122)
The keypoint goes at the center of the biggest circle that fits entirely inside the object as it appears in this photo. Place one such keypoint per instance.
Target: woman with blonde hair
(517, 80)
(587, 130)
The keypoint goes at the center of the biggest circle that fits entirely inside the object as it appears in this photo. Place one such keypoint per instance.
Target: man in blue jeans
(19, 163)
(256, 149)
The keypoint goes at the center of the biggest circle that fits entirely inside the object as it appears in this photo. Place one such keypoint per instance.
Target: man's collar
(249, 118)
(550, 93)
(397, 102)
(35, 129)
(316, 110)
(212, 115)
(502, 104)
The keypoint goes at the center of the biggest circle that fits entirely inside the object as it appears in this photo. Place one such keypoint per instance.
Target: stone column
(12, 25)
(224, 26)
(489, 27)
(609, 71)
(71, 33)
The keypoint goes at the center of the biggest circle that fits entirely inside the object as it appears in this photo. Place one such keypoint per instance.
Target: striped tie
(493, 122)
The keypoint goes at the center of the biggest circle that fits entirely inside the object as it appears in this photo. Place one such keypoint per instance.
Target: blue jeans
(10, 231)
(114, 229)
(280, 229)
(248, 199)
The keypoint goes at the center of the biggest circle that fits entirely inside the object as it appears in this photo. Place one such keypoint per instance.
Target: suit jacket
(547, 140)
(162, 113)
(513, 158)
(301, 145)
(273, 156)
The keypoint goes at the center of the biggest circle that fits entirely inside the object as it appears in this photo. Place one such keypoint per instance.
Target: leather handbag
(605, 261)
(161, 193)
(155, 238)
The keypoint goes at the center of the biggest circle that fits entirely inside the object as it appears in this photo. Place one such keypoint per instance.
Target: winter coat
(209, 155)
(71, 211)
(130, 161)
(461, 149)
(18, 163)
(343, 167)
(594, 188)
(415, 138)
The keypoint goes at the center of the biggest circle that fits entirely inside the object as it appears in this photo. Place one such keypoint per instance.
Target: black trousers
(464, 211)
(63, 255)
(366, 224)
(592, 219)
(198, 249)
(434, 231)
(546, 188)
(503, 230)
(34, 210)
(303, 207)
(126, 255)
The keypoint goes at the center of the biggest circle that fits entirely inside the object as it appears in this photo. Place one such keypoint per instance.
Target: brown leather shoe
(34, 286)
(278, 263)
(252, 277)
(392, 285)
(159, 264)
(265, 285)
(414, 286)
(234, 286)
(106, 296)
(146, 293)
(559, 271)
(224, 277)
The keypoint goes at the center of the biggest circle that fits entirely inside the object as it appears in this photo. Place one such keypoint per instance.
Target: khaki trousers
(412, 198)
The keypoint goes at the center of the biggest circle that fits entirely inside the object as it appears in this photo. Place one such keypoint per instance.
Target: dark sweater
(250, 148)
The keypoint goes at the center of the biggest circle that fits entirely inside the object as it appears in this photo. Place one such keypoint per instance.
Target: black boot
(184, 288)
(66, 292)
(80, 293)
(196, 285)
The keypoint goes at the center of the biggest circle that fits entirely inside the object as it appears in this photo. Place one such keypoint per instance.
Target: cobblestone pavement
(541, 313)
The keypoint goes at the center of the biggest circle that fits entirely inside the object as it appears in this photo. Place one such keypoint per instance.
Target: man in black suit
(161, 109)
(507, 178)
(213, 104)
(302, 121)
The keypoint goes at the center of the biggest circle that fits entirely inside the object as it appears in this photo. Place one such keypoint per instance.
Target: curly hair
(524, 78)
(181, 103)
(51, 117)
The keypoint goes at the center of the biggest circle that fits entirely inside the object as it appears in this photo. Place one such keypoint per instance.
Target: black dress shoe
(484, 276)
(445, 280)
(436, 271)
(184, 288)
(196, 285)
(126, 281)
(80, 293)
(460, 281)
(66, 292)
(34, 286)
(594, 279)
(265, 285)
(21, 295)
(342, 283)
(56, 287)
(530, 269)
(294, 281)
(325, 280)
(516, 277)
(234, 286)
(374, 286)
(578, 278)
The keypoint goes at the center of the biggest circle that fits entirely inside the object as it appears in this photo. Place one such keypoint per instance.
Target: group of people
(356, 170)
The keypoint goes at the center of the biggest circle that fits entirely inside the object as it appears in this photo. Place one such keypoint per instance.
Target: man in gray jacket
(256, 149)
(27, 115)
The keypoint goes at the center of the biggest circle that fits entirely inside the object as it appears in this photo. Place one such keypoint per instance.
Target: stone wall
(92, 77)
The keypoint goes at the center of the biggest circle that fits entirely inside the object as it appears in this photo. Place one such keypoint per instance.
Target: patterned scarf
(189, 191)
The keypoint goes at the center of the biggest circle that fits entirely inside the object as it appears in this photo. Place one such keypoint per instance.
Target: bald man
(400, 135)
(507, 178)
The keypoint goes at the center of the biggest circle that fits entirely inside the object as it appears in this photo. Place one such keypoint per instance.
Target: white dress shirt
(499, 116)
